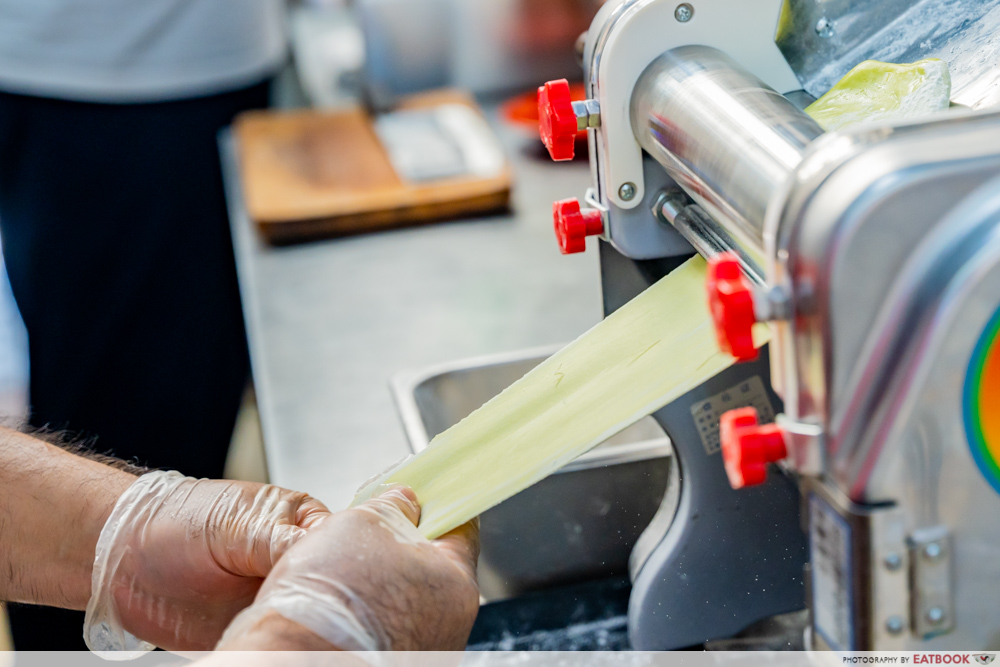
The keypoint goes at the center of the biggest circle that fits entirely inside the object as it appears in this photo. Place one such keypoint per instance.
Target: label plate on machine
(830, 547)
(708, 412)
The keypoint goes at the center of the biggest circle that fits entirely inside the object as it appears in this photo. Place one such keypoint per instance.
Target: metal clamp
(931, 596)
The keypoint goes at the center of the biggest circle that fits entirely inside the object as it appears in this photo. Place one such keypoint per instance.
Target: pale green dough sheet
(884, 91)
(647, 354)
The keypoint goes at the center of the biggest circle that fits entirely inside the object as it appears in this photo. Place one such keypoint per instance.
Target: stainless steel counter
(330, 322)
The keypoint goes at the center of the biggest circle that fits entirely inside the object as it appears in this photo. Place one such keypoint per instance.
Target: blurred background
(346, 51)
(484, 46)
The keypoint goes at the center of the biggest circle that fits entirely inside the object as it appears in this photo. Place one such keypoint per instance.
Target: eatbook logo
(985, 658)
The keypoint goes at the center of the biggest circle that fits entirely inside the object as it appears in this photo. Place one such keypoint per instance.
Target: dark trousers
(116, 239)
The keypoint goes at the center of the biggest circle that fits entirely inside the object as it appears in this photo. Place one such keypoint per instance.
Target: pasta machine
(874, 256)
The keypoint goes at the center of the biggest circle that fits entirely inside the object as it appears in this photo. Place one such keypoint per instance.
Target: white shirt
(138, 50)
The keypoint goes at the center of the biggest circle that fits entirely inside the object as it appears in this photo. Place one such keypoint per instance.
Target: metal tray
(578, 524)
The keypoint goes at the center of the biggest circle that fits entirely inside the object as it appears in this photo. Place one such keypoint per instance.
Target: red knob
(747, 447)
(557, 120)
(573, 225)
(730, 297)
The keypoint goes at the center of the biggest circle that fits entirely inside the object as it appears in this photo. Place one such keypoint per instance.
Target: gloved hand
(179, 557)
(367, 580)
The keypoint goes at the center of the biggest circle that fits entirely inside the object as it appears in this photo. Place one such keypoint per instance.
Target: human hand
(180, 557)
(367, 580)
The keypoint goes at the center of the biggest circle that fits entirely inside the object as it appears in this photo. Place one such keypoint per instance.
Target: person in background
(114, 226)
(159, 559)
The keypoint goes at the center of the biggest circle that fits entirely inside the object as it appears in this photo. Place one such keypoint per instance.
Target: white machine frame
(633, 33)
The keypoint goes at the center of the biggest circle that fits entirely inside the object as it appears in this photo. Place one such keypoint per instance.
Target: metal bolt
(894, 625)
(935, 615)
(824, 27)
(627, 191)
(684, 12)
(893, 562)
(933, 551)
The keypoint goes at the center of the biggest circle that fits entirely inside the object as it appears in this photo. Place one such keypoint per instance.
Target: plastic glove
(179, 557)
(367, 580)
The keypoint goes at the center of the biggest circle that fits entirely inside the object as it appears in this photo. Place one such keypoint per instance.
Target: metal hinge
(931, 589)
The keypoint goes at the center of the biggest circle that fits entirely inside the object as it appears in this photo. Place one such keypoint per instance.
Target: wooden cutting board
(311, 174)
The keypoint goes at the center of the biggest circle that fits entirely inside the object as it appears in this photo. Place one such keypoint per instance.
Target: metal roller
(723, 135)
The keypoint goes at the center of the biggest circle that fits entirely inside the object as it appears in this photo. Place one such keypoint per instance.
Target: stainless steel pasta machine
(874, 256)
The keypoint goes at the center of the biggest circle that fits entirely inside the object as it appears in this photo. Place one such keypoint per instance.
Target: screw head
(893, 562)
(684, 12)
(894, 625)
(627, 191)
(933, 551)
(935, 615)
